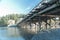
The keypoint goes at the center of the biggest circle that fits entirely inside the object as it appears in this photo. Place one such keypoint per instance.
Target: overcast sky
(16, 6)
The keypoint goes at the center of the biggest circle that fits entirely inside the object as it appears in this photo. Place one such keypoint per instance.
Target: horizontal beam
(50, 15)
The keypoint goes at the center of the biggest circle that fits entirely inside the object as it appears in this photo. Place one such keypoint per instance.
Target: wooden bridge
(45, 16)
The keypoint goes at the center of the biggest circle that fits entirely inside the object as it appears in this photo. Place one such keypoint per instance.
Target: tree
(16, 17)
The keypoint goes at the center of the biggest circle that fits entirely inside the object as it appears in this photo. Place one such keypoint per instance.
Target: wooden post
(30, 24)
(35, 28)
(50, 24)
(39, 23)
(46, 22)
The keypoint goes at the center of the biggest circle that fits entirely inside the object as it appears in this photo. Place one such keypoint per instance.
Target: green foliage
(16, 17)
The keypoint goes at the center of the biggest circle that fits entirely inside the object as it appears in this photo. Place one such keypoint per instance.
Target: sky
(16, 6)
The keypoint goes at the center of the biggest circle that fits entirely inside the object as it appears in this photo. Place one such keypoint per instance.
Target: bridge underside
(47, 20)
(43, 20)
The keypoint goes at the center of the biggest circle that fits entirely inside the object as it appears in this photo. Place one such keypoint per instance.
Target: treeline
(16, 17)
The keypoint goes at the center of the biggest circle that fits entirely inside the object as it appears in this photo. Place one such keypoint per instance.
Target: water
(4, 35)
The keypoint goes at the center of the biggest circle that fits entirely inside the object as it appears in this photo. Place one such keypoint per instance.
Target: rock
(53, 34)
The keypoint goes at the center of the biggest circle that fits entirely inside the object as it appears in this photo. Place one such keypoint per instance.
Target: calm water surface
(4, 35)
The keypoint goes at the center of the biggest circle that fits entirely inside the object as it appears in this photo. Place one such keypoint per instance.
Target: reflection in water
(9, 34)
